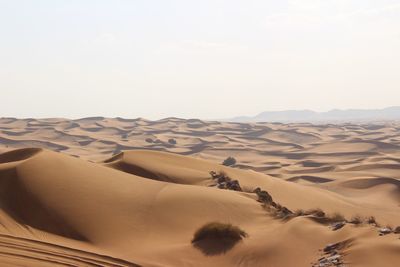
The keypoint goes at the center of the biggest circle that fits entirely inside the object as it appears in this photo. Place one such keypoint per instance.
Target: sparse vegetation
(371, 220)
(281, 212)
(220, 176)
(320, 214)
(225, 182)
(229, 161)
(356, 220)
(337, 217)
(299, 212)
(219, 231)
(172, 141)
(336, 220)
(263, 196)
(316, 212)
(276, 209)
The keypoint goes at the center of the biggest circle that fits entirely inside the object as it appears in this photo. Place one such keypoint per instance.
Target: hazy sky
(205, 59)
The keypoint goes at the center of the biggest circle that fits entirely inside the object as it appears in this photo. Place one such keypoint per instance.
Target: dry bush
(263, 196)
(220, 176)
(216, 230)
(172, 141)
(281, 212)
(356, 220)
(316, 212)
(229, 161)
(299, 212)
(337, 217)
(371, 220)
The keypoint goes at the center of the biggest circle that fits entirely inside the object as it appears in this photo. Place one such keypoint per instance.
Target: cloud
(193, 45)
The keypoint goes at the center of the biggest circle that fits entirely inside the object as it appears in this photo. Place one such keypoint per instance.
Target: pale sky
(196, 59)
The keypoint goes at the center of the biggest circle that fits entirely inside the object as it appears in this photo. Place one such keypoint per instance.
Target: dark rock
(338, 225)
(335, 259)
(385, 231)
(332, 256)
(331, 247)
(397, 230)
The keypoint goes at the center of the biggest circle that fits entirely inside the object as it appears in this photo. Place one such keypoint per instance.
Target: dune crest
(19, 154)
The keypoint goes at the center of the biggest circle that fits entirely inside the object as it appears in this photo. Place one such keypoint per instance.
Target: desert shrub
(216, 230)
(172, 141)
(285, 213)
(337, 217)
(263, 196)
(356, 220)
(371, 220)
(225, 182)
(220, 176)
(229, 161)
(257, 190)
(233, 185)
(316, 212)
(278, 211)
(299, 212)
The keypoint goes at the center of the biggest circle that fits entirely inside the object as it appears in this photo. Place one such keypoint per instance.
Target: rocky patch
(332, 255)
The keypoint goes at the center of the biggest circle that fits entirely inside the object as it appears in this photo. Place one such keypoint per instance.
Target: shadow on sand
(215, 246)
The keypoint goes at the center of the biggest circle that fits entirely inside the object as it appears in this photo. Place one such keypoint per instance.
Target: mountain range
(334, 115)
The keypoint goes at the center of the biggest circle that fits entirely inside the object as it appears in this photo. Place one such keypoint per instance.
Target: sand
(99, 192)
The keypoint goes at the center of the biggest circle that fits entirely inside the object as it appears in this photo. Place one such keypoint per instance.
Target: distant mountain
(335, 115)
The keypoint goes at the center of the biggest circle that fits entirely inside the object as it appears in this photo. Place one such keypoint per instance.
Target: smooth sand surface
(93, 205)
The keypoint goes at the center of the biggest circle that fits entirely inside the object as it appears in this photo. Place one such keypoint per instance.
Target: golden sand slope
(360, 160)
(143, 207)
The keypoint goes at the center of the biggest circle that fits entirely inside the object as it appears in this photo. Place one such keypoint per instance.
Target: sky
(206, 59)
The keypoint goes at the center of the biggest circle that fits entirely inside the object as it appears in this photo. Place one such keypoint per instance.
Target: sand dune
(133, 197)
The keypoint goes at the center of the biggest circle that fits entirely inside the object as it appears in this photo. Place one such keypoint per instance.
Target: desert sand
(118, 192)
